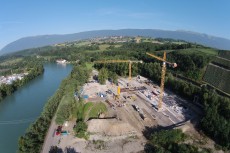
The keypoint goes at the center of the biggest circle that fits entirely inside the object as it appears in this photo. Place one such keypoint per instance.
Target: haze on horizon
(29, 18)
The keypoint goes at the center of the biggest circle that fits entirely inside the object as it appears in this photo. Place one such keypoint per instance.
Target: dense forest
(192, 60)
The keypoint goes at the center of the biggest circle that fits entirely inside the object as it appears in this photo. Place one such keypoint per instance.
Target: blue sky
(21, 18)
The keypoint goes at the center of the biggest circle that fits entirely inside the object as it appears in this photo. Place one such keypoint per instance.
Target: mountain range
(44, 40)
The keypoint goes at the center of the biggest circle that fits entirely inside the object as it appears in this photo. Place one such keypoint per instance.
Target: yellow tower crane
(162, 75)
(120, 61)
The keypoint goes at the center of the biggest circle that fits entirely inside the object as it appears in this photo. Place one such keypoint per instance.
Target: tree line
(8, 89)
(33, 139)
(171, 141)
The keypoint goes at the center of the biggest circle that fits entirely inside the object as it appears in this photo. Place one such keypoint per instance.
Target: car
(57, 133)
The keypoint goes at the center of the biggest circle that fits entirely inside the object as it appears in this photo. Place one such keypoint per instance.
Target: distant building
(61, 61)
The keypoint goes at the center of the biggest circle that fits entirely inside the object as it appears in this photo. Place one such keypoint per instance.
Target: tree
(80, 129)
(103, 75)
(113, 76)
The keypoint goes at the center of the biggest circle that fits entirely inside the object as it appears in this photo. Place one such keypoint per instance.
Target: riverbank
(33, 139)
(8, 89)
(22, 108)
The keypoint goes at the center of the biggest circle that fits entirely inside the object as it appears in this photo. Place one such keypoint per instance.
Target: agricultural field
(209, 51)
(222, 62)
(218, 77)
(103, 47)
(82, 43)
(224, 54)
(11, 61)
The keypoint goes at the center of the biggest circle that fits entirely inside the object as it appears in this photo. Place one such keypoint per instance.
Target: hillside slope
(43, 40)
(218, 72)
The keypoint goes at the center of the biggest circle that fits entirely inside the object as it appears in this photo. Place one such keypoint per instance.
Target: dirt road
(50, 139)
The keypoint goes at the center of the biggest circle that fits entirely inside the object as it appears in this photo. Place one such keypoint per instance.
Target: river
(20, 109)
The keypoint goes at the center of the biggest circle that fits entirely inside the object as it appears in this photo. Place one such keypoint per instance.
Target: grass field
(211, 52)
(89, 66)
(103, 47)
(82, 43)
(179, 42)
(90, 109)
(87, 107)
(223, 62)
(11, 61)
(224, 54)
(96, 109)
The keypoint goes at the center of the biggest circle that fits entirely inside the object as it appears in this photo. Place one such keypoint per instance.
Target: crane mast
(163, 72)
(121, 61)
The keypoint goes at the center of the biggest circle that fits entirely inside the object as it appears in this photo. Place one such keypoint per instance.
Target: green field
(208, 51)
(11, 61)
(224, 54)
(222, 62)
(103, 47)
(96, 109)
(89, 66)
(218, 77)
(83, 43)
(92, 109)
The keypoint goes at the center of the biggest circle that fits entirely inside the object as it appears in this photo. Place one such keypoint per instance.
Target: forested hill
(43, 40)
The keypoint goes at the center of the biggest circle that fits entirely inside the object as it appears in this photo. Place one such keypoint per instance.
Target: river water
(20, 109)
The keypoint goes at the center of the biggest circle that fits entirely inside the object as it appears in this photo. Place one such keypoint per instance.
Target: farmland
(222, 62)
(218, 77)
(207, 51)
(224, 54)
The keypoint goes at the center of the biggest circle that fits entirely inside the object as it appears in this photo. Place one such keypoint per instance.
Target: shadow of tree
(151, 147)
(149, 130)
(55, 149)
(70, 150)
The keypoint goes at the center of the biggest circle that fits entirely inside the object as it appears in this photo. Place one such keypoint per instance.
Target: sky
(22, 18)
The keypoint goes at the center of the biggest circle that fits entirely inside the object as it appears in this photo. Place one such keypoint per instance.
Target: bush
(80, 129)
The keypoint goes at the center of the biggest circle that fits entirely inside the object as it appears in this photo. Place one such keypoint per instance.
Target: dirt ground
(121, 129)
(197, 138)
(121, 145)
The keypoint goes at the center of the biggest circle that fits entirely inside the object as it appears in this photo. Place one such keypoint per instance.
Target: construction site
(136, 101)
(134, 104)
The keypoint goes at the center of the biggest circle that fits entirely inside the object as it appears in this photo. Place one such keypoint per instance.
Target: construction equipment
(121, 61)
(162, 75)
